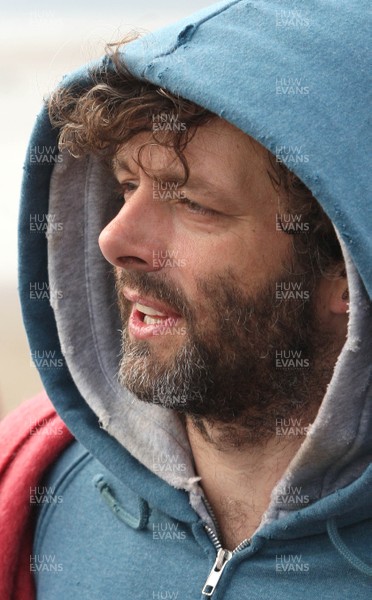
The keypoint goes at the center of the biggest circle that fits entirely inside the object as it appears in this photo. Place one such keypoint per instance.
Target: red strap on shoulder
(31, 438)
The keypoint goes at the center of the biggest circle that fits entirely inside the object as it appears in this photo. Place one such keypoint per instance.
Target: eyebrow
(194, 182)
(167, 175)
(119, 164)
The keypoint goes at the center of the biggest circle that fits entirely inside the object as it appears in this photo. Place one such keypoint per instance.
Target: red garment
(31, 438)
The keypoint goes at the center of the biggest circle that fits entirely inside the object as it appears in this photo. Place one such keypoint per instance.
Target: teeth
(151, 321)
(146, 310)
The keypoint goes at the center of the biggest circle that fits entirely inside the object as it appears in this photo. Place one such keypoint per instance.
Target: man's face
(197, 267)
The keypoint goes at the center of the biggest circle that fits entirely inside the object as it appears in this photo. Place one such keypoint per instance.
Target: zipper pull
(223, 556)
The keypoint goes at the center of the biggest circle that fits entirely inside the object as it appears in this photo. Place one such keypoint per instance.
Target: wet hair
(115, 106)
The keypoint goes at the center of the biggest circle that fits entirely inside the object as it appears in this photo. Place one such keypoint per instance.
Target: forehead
(215, 149)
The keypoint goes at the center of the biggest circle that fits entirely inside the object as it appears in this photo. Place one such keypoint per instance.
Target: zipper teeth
(217, 544)
(213, 517)
(215, 541)
(215, 538)
(242, 545)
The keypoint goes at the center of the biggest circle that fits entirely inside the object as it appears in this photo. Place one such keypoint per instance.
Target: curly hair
(115, 106)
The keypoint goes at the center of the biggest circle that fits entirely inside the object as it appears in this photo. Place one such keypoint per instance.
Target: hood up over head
(236, 60)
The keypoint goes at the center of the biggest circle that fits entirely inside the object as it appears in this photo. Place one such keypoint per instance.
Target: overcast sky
(104, 8)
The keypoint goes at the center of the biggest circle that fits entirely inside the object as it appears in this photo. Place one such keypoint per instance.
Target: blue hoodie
(128, 519)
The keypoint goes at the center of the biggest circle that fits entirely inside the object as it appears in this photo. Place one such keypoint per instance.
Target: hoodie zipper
(222, 558)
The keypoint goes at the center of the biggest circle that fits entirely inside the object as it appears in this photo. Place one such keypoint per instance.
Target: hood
(285, 77)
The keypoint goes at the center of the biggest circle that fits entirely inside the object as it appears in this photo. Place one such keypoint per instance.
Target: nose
(134, 237)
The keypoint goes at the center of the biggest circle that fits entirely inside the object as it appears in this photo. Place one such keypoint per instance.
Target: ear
(333, 292)
(338, 300)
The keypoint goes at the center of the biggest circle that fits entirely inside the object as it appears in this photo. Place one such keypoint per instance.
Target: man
(217, 378)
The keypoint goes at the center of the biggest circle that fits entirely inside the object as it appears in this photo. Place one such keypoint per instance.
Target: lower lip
(141, 330)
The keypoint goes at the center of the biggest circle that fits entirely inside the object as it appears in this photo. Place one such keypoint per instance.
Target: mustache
(155, 286)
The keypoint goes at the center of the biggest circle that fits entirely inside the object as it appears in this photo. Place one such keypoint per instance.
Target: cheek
(250, 252)
(263, 254)
(251, 256)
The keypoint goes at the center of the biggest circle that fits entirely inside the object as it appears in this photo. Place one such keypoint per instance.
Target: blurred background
(40, 42)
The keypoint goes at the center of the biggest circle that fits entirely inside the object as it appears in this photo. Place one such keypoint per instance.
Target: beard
(254, 361)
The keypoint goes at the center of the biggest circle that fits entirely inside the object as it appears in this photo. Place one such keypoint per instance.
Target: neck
(238, 481)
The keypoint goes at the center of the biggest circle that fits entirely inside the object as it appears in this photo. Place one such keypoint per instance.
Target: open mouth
(150, 317)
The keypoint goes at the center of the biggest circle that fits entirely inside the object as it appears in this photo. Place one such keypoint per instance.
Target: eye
(194, 207)
(121, 193)
(126, 188)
